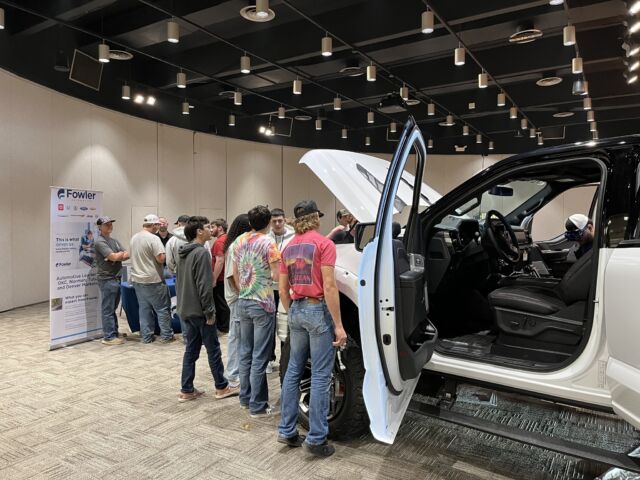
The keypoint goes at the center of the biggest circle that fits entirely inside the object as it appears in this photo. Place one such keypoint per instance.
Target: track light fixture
(449, 121)
(633, 65)
(103, 52)
(173, 31)
(232, 120)
(483, 80)
(524, 124)
(540, 140)
(458, 56)
(181, 79)
(576, 65)
(1, 18)
(245, 63)
(262, 8)
(569, 36)
(430, 143)
(185, 108)
(281, 112)
(344, 133)
(269, 131)
(371, 73)
(532, 133)
(237, 97)
(502, 99)
(151, 100)
(465, 130)
(139, 98)
(404, 92)
(513, 113)
(327, 46)
(586, 103)
(337, 103)
(595, 135)
(428, 21)
(633, 48)
(634, 7)
(491, 145)
(297, 87)
(431, 109)
(591, 116)
(393, 127)
(367, 141)
(318, 124)
(478, 138)
(370, 117)
(593, 126)
(635, 26)
(579, 87)
(126, 92)
(630, 77)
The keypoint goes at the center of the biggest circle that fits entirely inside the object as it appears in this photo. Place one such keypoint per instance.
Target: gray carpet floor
(91, 411)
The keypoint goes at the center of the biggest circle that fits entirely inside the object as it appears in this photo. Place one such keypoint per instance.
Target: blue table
(130, 306)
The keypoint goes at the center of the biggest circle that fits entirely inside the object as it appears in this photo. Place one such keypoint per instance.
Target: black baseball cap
(306, 207)
(182, 219)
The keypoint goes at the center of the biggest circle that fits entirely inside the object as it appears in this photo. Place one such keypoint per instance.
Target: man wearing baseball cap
(109, 258)
(579, 229)
(147, 259)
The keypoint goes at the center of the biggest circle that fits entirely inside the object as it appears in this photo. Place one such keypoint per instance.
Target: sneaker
(185, 397)
(230, 391)
(322, 450)
(295, 441)
(164, 341)
(267, 412)
(147, 341)
(113, 341)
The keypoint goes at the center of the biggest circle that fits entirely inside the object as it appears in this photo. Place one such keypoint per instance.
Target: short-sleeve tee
(230, 294)
(105, 246)
(254, 253)
(145, 246)
(217, 250)
(302, 260)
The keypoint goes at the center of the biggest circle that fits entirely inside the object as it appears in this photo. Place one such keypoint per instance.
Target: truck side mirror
(364, 234)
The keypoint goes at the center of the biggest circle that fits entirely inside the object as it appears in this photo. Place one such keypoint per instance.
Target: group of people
(233, 281)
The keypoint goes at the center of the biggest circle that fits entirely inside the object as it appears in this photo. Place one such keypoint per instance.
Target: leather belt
(312, 300)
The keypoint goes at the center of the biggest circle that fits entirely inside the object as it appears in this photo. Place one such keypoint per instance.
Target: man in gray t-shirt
(146, 275)
(109, 258)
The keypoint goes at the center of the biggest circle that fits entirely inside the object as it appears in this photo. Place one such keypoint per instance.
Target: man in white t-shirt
(146, 275)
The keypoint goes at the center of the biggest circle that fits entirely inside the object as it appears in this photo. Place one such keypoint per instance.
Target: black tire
(350, 417)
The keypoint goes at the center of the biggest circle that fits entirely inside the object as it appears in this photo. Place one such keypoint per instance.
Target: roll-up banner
(74, 313)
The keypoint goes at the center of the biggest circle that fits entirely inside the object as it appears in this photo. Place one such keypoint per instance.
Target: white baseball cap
(151, 219)
(577, 221)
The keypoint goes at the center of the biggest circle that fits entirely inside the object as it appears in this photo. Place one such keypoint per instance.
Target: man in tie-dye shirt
(255, 267)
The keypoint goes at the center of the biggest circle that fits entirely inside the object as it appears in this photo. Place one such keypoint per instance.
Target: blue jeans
(153, 297)
(232, 344)
(110, 290)
(198, 333)
(256, 329)
(311, 332)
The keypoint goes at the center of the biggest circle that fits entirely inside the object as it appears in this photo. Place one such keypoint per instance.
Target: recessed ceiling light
(549, 81)
(303, 118)
(252, 14)
(563, 114)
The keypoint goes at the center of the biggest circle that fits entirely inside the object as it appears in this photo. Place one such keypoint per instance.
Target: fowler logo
(77, 194)
(63, 264)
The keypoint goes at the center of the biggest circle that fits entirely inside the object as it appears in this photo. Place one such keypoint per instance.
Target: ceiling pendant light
(337, 103)
(458, 56)
(297, 87)
(595, 135)
(262, 8)
(393, 127)
(635, 26)
(103, 52)
(344, 133)
(540, 140)
(591, 116)
(139, 98)
(327, 46)
(428, 21)
(367, 141)
(181, 79)
(281, 112)
(491, 145)
(586, 103)
(268, 131)
(483, 80)
(126, 92)
(532, 133)
(370, 117)
(430, 143)
(478, 138)
(593, 126)
(524, 123)
(449, 121)
(431, 109)
(630, 77)
(586, 88)
(513, 113)
(371, 73)
(465, 130)
(576, 65)
(569, 36)
(318, 124)
(237, 97)
(245, 63)
(633, 48)
(151, 100)
(635, 7)
(1, 18)
(502, 99)
(185, 108)
(404, 92)
(633, 65)
(232, 120)
(173, 31)
(556, 2)
(579, 87)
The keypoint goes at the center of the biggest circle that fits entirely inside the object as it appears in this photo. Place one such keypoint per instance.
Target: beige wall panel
(548, 223)
(211, 173)
(138, 212)
(578, 200)
(6, 204)
(142, 160)
(267, 171)
(32, 135)
(176, 176)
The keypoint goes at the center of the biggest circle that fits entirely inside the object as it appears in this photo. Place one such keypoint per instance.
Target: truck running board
(546, 442)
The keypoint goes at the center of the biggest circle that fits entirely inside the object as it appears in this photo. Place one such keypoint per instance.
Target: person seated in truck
(579, 229)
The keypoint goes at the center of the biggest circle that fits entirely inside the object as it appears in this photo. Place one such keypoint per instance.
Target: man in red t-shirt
(219, 231)
(309, 294)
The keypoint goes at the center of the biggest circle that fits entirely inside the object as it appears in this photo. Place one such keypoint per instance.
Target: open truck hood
(357, 181)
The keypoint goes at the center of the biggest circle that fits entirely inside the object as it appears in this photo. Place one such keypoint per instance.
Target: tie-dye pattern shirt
(254, 253)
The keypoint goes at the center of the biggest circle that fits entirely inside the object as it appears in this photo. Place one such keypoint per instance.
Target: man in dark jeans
(219, 231)
(196, 309)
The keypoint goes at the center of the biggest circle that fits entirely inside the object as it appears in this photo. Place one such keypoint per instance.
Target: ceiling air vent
(250, 13)
(563, 114)
(302, 118)
(549, 81)
(525, 33)
(119, 55)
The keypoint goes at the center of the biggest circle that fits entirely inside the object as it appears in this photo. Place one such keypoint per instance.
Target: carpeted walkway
(91, 411)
